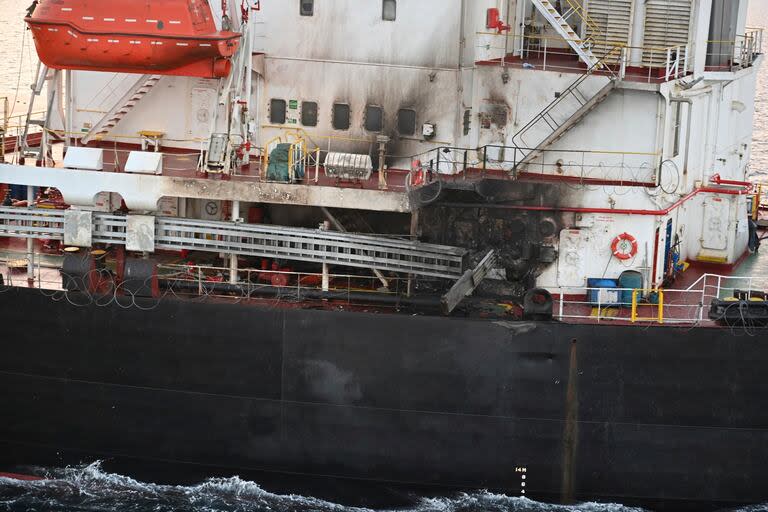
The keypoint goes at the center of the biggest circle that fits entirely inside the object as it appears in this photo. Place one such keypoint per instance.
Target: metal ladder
(568, 109)
(26, 150)
(385, 254)
(122, 107)
(559, 23)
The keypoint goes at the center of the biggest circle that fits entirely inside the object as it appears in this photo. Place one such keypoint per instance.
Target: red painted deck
(565, 61)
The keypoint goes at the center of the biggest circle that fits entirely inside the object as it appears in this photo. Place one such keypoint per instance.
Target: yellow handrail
(756, 200)
(635, 295)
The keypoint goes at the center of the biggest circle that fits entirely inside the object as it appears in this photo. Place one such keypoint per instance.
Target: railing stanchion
(599, 306)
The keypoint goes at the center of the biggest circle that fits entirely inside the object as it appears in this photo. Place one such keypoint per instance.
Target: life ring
(624, 246)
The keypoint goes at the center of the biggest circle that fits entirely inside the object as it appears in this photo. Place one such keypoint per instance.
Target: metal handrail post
(599, 306)
(650, 66)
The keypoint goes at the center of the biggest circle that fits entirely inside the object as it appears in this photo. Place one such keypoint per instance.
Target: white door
(715, 230)
(574, 256)
(202, 102)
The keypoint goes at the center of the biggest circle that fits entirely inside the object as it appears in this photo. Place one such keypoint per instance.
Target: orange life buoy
(624, 246)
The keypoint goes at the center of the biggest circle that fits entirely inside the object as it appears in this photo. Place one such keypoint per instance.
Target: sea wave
(90, 488)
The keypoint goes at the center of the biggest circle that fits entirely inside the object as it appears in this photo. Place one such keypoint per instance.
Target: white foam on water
(90, 488)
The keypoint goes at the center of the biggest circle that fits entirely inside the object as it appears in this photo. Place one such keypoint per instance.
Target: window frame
(384, 16)
(317, 113)
(304, 13)
(272, 111)
(381, 118)
(412, 133)
(334, 117)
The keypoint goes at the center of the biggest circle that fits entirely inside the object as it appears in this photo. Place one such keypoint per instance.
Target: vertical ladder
(122, 107)
(558, 22)
(27, 150)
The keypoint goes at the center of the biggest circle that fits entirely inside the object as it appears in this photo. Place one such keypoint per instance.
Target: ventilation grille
(667, 24)
(608, 26)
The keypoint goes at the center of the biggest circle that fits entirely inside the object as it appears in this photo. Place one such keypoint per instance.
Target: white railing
(676, 65)
(687, 306)
(548, 53)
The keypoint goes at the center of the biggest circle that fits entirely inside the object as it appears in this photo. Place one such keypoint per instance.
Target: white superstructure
(626, 116)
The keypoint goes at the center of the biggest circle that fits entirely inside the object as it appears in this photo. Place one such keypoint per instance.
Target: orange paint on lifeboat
(162, 37)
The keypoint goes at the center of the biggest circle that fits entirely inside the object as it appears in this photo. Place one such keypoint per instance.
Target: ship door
(493, 129)
(715, 229)
(668, 250)
(573, 258)
(202, 102)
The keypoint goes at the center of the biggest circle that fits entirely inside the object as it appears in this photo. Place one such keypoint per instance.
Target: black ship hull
(562, 412)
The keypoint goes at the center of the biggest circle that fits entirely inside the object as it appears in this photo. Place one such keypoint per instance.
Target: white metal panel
(144, 162)
(90, 159)
(140, 233)
(715, 229)
(574, 258)
(78, 228)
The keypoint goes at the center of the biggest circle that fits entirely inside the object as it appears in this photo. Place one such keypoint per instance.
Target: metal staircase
(566, 111)
(123, 106)
(559, 23)
(573, 104)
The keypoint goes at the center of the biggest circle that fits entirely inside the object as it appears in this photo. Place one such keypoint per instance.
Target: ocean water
(758, 17)
(90, 488)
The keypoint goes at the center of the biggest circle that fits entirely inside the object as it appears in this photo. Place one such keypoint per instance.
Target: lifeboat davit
(163, 37)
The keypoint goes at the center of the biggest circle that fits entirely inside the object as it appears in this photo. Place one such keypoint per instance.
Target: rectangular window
(406, 122)
(307, 7)
(374, 118)
(389, 10)
(676, 126)
(340, 116)
(467, 121)
(309, 113)
(277, 111)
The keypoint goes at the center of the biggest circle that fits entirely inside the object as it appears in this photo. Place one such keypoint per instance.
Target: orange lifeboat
(163, 37)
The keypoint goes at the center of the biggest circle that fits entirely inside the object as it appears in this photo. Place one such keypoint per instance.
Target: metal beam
(142, 192)
(465, 286)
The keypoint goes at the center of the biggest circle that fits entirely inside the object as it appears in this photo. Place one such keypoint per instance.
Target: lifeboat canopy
(168, 37)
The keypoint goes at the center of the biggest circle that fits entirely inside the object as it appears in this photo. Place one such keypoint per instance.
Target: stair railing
(571, 91)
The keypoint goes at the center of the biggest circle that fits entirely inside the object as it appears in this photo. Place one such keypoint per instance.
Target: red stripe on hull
(25, 478)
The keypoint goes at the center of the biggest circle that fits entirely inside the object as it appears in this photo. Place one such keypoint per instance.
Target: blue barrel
(629, 280)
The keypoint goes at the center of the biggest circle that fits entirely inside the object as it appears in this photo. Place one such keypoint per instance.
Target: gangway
(385, 254)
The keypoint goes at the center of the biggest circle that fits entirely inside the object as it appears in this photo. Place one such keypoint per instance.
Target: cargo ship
(443, 245)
